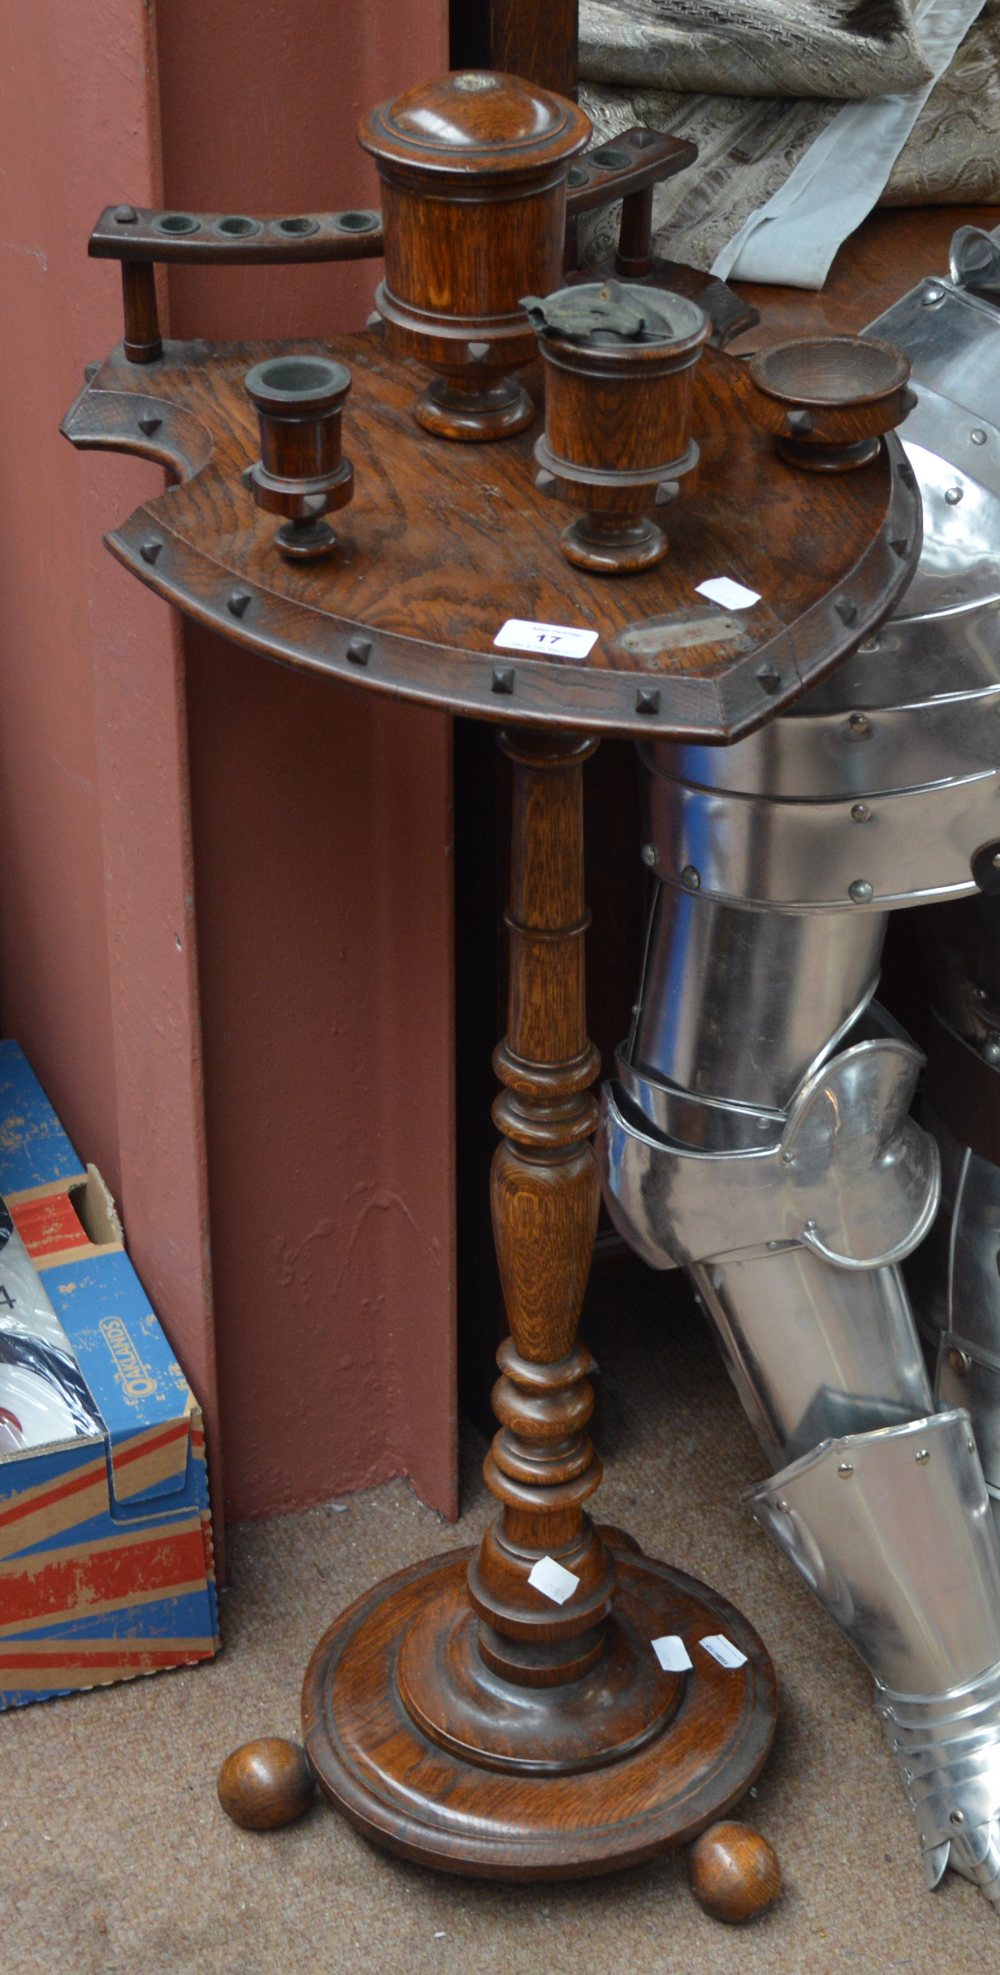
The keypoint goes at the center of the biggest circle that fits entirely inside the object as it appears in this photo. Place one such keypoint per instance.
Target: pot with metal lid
(619, 367)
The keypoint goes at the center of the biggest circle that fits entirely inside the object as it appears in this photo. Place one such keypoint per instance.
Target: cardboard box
(105, 1539)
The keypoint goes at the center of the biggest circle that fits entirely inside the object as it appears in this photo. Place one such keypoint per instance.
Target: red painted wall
(54, 974)
(97, 950)
(322, 860)
(319, 880)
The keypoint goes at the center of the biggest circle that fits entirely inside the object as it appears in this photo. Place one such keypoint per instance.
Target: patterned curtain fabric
(838, 48)
(747, 147)
(952, 155)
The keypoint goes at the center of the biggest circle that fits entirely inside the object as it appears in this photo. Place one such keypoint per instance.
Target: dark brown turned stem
(142, 341)
(545, 1198)
(634, 257)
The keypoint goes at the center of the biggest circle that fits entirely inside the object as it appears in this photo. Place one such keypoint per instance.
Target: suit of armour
(758, 1131)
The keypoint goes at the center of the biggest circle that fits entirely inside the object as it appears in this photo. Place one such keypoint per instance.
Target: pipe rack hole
(355, 222)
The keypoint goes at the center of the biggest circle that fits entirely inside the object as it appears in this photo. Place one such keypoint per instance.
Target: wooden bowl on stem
(827, 400)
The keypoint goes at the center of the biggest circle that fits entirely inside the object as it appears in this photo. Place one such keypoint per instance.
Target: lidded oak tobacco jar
(474, 170)
(619, 369)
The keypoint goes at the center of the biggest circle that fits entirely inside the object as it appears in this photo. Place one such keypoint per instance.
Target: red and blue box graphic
(105, 1537)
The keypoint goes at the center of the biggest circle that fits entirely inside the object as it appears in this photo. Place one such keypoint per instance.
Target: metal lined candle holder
(302, 472)
(474, 170)
(619, 366)
(827, 400)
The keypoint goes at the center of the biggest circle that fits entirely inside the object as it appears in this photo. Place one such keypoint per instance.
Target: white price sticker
(672, 1653)
(723, 1650)
(549, 640)
(732, 596)
(553, 1580)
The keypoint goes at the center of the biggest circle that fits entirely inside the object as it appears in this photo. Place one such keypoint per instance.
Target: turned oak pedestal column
(458, 1713)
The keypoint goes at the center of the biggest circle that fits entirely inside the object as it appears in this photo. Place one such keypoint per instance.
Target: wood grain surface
(445, 543)
(403, 1790)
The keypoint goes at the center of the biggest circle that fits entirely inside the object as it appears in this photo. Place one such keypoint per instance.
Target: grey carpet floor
(115, 1859)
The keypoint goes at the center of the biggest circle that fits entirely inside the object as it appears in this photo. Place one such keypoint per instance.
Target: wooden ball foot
(474, 413)
(265, 1784)
(440, 1760)
(734, 1873)
(613, 544)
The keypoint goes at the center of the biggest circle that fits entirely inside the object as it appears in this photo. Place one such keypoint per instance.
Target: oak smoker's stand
(455, 1713)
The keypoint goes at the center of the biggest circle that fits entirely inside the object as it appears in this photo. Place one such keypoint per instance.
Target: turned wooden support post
(634, 256)
(545, 1201)
(456, 1712)
(142, 341)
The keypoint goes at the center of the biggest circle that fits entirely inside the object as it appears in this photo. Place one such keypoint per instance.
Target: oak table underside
(443, 543)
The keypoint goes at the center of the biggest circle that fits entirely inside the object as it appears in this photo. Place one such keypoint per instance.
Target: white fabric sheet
(794, 237)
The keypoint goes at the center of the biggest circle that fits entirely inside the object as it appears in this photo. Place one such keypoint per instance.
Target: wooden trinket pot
(302, 472)
(474, 172)
(619, 368)
(827, 400)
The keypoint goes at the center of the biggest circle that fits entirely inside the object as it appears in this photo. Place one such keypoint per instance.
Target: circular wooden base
(305, 541)
(613, 544)
(603, 1772)
(828, 459)
(474, 413)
